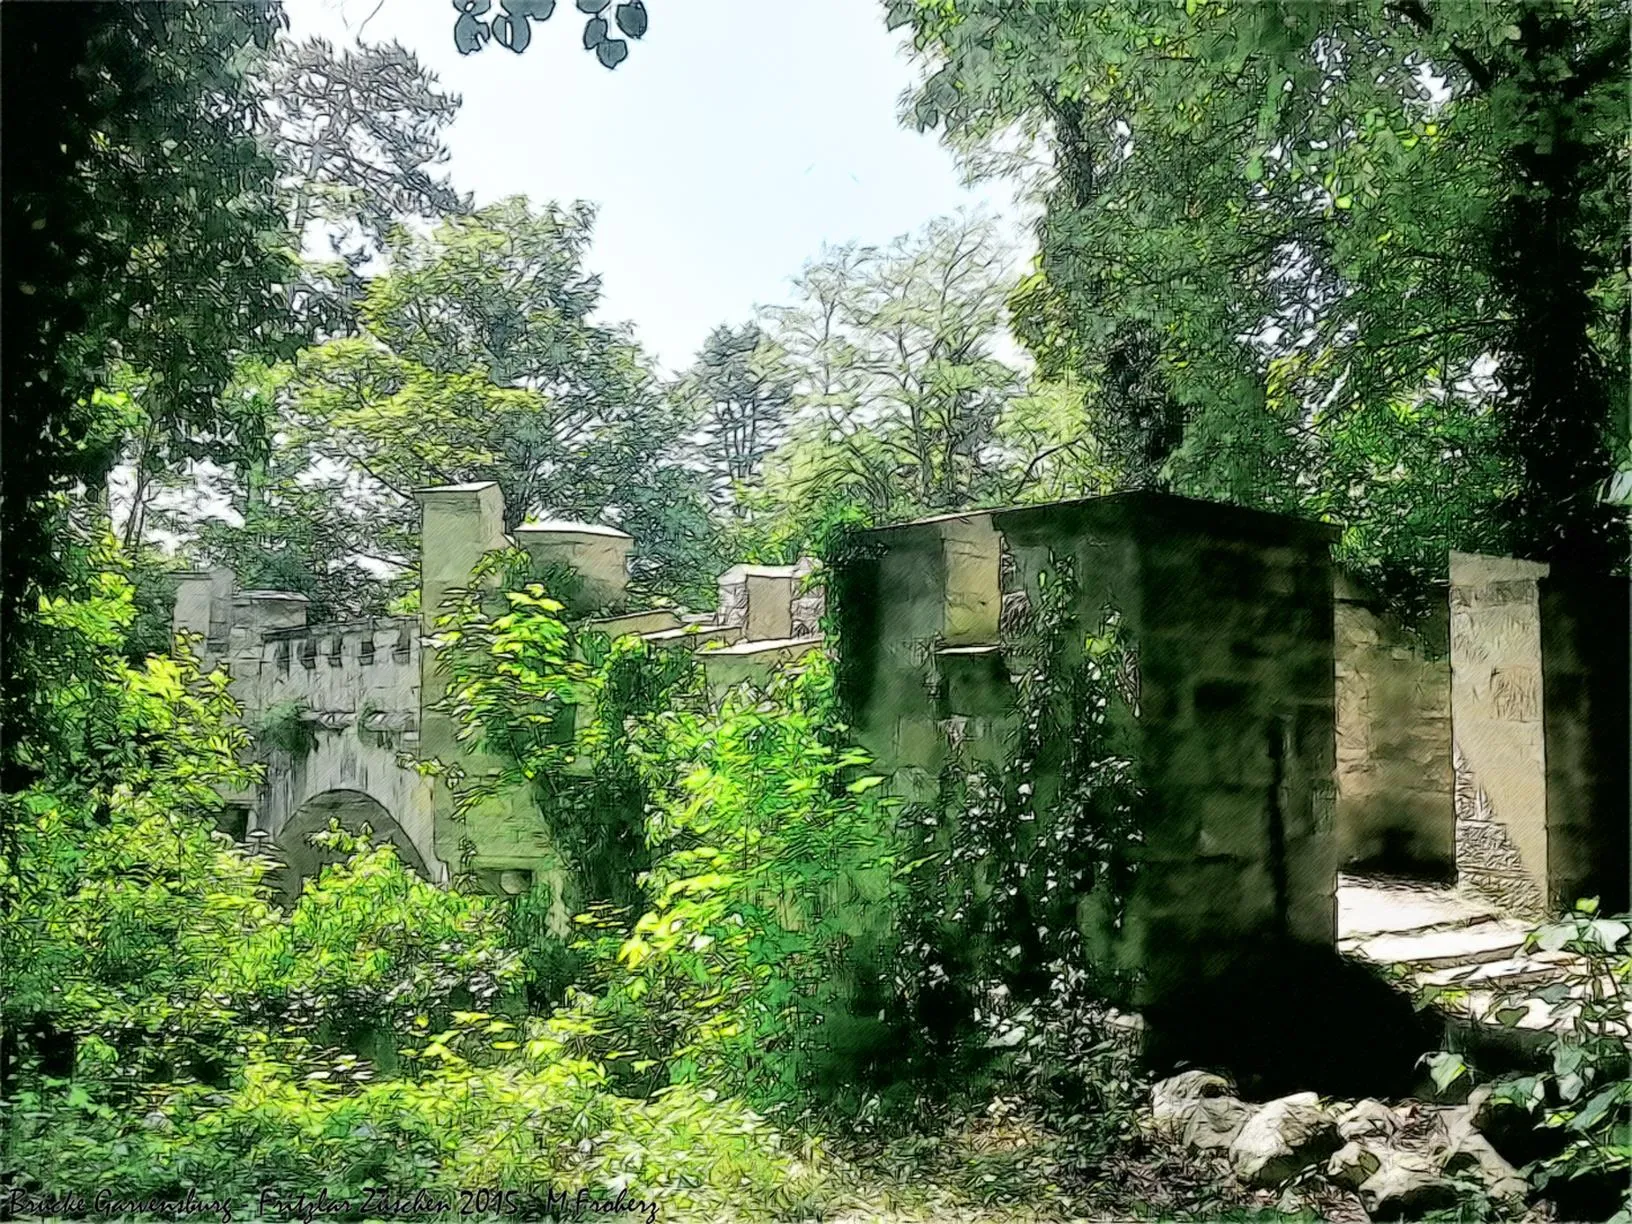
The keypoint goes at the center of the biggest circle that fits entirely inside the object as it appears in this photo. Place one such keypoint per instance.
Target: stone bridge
(338, 710)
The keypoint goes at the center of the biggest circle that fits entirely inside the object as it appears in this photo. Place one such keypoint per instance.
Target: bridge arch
(355, 779)
(354, 810)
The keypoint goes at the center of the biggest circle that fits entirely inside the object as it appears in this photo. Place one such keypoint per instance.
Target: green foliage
(551, 705)
(1585, 1095)
(740, 388)
(771, 884)
(1021, 878)
(512, 27)
(369, 951)
(147, 238)
(285, 727)
(477, 361)
(117, 895)
(1418, 205)
(897, 389)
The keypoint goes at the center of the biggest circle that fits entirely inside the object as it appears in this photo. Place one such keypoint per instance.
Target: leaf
(1445, 1067)
(631, 18)
(1554, 936)
(1598, 1107)
(612, 52)
(863, 785)
(1610, 932)
(595, 32)
(593, 6)
(512, 32)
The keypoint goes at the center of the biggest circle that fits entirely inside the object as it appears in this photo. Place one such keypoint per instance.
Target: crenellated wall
(362, 695)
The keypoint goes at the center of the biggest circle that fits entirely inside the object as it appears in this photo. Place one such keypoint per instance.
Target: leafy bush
(285, 727)
(368, 947)
(771, 880)
(1582, 1101)
(497, 1106)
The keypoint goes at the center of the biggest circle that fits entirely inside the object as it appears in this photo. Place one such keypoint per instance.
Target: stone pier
(1540, 695)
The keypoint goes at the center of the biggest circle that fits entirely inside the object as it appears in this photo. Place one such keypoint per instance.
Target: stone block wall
(903, 593)
(1395, 777)
(1228, 615)
(597, 554)
(1539, 715)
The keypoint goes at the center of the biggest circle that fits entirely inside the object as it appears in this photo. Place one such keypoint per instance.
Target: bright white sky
(737, 138)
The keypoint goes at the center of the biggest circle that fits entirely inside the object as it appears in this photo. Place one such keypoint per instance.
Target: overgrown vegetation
(1362, 262)
(1580, 1100)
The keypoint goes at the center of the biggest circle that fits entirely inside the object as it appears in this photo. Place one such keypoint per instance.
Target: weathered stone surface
(1368, 1119)
(1464, 1149)
(1353, 1164)
(1171, 1099)
(1394, 779)
(1282, 1139)
(1471, 1152)
(1213, 1124)
(1406, 1186)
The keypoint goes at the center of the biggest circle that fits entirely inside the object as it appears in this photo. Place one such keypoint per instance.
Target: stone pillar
(597, 556)
(768, 605)
(809, 598)
(460, 525)
(1395, 781)
(1539, 715)
(1227, 615)
(759, 600)
(204, 607)
(903, 593)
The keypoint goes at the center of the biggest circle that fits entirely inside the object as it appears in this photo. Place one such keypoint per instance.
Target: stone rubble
(1402, 1163)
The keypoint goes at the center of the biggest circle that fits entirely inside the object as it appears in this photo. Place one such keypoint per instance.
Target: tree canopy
(1381, 240)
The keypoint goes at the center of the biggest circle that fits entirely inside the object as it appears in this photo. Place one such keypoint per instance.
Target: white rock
(1213, 1123)
(1353, 1164)
(1368, 1119)
(1470, 1152)
(1406, 1186)
(1282, 1139)
(1171, 1099)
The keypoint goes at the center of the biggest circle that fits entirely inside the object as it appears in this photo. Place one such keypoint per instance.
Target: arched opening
(353, 810)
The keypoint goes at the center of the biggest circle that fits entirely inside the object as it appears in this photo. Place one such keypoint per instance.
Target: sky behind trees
(736, 139)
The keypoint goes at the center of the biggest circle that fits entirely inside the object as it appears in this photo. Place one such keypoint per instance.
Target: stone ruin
(360, 692)
(1290, 726)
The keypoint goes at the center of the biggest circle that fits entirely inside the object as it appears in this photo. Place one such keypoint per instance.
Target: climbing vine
(284, 726)
(1025, 867)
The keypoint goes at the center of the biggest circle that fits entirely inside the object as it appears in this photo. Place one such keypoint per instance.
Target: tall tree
(478, 361)
(741, 386)
(136, 210)
(357, 133)
(1323, 212)
(899, 389)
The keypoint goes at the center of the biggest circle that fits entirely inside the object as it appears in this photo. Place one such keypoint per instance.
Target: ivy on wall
(1024, 868)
